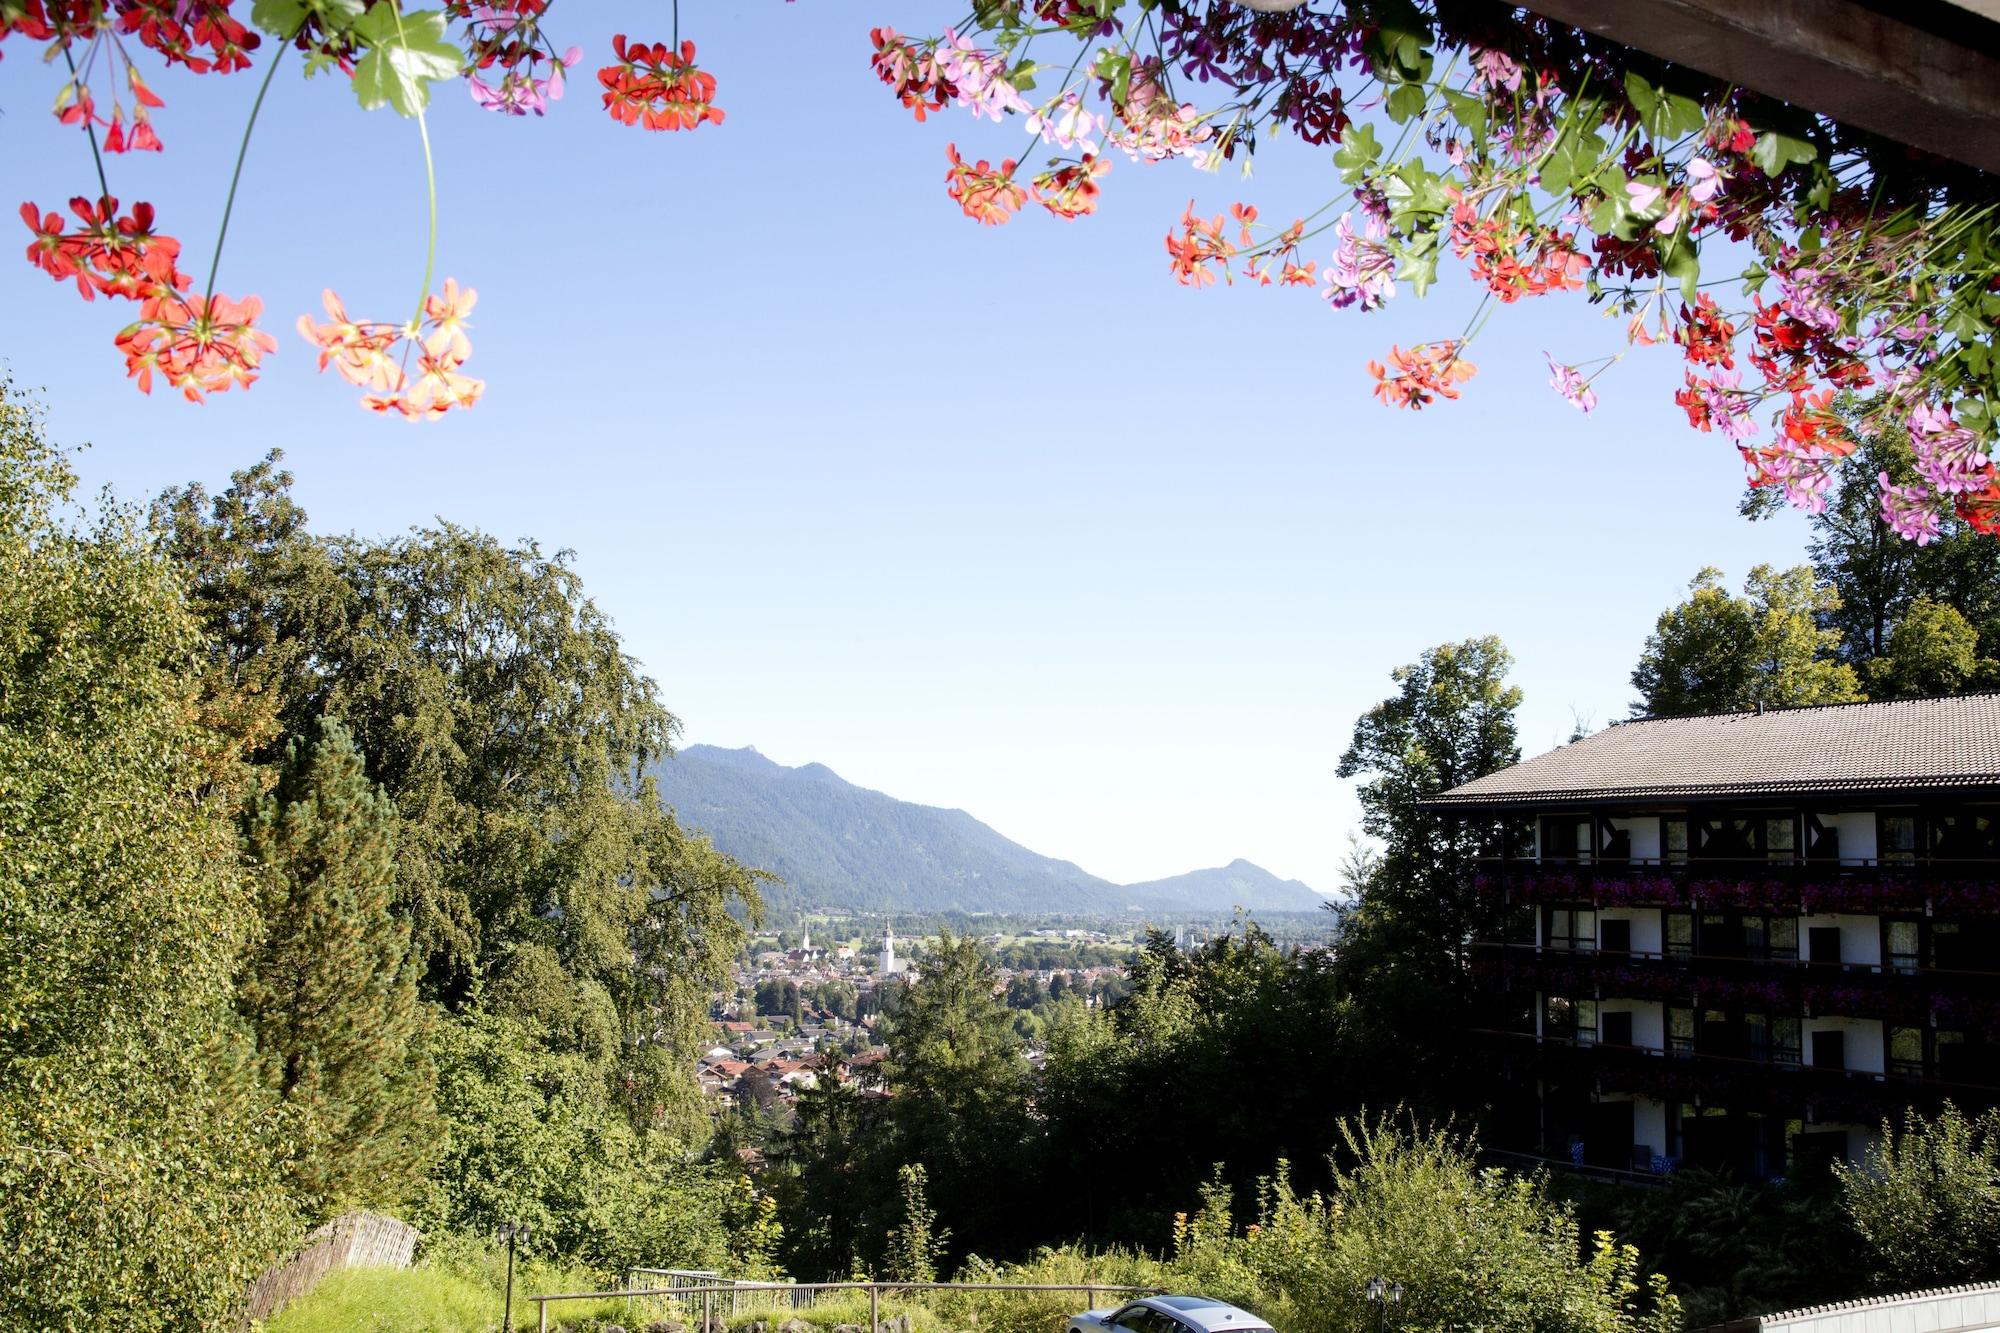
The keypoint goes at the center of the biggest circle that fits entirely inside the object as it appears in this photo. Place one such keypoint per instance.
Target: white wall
(1860, 936)
(1645, 926)
(1645, 831)
(1864, 1041)
(1649, 1022)
(1649, 1121)
(1857, 835)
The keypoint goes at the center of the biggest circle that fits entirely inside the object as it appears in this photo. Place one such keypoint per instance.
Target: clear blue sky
(997, 518)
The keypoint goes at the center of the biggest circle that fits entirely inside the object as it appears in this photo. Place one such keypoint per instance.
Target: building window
(1756, 1037)
(1586, 1022)
(1900, 947)
(1784, 1040)
(1573, 929)
(1906, 1052)
(1565, 838)
(1896, 839)
(1680, 1031)
(1951, 1055)
(1615, 936)
(1674, 837)
(1558, 1018)
(1780, 836)
(1963, 837)
(1829, 1050)
(1618, 1028)
(1782, 939)
(1679, 934)
(1727, 839)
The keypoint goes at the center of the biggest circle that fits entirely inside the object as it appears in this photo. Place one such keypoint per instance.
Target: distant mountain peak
(837, 845)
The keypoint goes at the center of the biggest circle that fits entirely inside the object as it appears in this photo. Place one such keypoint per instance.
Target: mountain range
(838, 846)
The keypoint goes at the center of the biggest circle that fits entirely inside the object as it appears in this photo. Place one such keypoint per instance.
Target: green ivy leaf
(405, 56)
(1420, 263)
(1467, 110)
(282, 18)
(1680, 261)
(1559, 166)
(1774, 151)
(1406, 103)
(1358, 152)
(278, 17)
(1116, 69)
(1643, 96)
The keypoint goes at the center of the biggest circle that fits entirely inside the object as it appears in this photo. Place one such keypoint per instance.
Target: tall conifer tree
(329, 992)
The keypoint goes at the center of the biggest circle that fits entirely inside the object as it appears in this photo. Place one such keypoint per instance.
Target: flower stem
(431, 242)
(89, 128)
(431, 191)
(236, 176)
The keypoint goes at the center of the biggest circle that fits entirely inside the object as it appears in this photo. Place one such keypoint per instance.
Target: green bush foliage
(137, 1146)
(1472, 1248)
(1926, 1201)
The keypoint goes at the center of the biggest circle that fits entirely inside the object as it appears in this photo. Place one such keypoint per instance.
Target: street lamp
(509, 1233)
(1382, 1294)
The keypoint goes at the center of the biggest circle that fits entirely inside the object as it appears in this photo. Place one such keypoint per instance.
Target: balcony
(1785, 1088)
(1945, 886)
(1913, 997)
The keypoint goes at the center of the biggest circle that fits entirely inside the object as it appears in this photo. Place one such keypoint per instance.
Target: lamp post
(1382, 1294)
(510, 1232)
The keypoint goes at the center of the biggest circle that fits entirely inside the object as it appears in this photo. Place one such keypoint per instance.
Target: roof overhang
(1922, 72)
(1973, 786)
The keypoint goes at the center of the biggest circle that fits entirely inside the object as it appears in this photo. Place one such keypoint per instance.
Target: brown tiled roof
(1895, 745)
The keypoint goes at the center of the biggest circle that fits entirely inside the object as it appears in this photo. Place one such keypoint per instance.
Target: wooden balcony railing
(1746, 1083)
(1949, 887)
(1955, 999)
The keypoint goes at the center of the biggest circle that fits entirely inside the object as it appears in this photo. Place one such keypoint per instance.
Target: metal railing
(708, 1289)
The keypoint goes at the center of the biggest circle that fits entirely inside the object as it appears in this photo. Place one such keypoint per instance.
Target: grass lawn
(392, 1300)
(428, 1300)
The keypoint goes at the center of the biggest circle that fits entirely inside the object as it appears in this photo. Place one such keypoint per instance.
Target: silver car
(1169, 1314)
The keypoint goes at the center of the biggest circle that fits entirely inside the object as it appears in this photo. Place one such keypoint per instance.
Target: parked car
(1169, 1314)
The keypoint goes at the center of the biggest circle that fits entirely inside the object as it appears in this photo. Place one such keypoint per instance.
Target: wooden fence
(355, 1240)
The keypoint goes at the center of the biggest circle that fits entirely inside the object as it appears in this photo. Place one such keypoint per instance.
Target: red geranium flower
(983, 194)
(198, 347)
(658, 88)
(118, 256)
(1421, 375)
(1071, 191)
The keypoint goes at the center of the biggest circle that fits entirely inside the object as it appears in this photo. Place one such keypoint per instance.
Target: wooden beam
(1922, 72)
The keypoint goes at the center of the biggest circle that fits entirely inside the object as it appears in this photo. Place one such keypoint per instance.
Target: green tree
(915, 1245)
(1273, 1027)
(327, 991)
(824, 1175)
(1451, 720)
(539, 874)
(136, 1144)
(960, 1081)
(1716, 653)
(1926, 1201)
(1933, 649)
